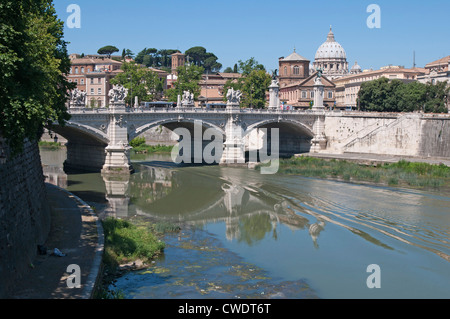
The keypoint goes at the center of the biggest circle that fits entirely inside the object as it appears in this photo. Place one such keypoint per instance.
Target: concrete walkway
(373, 159)
(76, 232)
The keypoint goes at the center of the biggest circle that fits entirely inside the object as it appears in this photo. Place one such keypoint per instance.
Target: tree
(34, 62)
(384, 95)
(140, 82)
(246, 67)
(187, 80)
(235, 68)
(253, 84)
(228, 70)
(107, 50)
(200, 57)
(254, 89)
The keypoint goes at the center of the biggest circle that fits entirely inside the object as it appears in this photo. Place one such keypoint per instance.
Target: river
(248, 235)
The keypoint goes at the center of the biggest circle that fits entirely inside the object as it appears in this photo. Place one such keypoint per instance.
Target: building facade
(300, 95)
(436, 71)
(347, 87)
(93, 75)
(292, 69)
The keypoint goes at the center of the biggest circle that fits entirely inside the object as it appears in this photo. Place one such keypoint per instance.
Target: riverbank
(390, 172)
(77, 233)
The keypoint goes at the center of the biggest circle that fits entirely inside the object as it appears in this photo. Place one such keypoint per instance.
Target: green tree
(140, 82)
(254, 89)
(436, 97)
(384, 95)
(200, 57)
(235, 68)
(107, 50)
(228, 70)
(246, 67)
(34, 62)
(187, 80)
(253, 84)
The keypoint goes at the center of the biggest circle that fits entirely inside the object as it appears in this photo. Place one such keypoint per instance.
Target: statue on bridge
(118, 94)
(234, 96)
(77, 98)
(188, 99)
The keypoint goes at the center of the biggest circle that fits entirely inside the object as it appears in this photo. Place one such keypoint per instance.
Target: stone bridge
(98, 138)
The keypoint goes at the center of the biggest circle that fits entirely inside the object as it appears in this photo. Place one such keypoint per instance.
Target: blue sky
(265, 29)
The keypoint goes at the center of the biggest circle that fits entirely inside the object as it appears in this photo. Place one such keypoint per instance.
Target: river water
(248, 235)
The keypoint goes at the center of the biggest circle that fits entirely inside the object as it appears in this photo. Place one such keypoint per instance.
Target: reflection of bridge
(99, 138)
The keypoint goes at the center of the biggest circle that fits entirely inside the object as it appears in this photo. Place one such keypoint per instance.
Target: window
(331, 65)
(76, 81)
(330, 94)
(285, 70)
(311, 94)
(92, 80)
(99, 90)
(99, 103)
(82, 81)
(296, 70)
(76, 70)
(92, 91)
(82, 69)
(304, 95)
(99, 80)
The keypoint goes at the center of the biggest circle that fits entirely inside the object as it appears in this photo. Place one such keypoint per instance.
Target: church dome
(330, 49)
(356, 68)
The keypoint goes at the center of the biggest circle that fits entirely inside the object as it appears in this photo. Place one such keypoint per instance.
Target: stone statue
(77, 97)
(118, 94)
(188, 98)
(234, 96)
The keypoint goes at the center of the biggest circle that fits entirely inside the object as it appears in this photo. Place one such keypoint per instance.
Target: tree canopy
(384, 95)
(187, 80)
(140, 81)
(107, 50)
(155, 58)
(253, 84)
(34, 62)
(200, 57)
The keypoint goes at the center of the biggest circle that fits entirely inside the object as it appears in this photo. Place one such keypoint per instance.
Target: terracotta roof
(442, 62)
(294, 56)
(230, 75)
(79, 61)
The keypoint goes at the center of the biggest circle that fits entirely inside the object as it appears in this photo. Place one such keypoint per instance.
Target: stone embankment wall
(160, 135)
(404, 134)
(24, 214)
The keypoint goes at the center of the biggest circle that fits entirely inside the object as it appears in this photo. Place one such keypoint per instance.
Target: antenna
(414, 59)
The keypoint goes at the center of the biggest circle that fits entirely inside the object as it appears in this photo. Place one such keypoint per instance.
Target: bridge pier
(117, 159)
(234, 145)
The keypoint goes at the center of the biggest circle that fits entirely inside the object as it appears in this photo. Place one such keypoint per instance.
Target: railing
(103, 110)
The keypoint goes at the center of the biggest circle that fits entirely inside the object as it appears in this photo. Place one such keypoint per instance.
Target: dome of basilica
(330, 49)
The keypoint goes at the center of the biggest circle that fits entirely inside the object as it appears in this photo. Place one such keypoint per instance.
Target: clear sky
(265, 29)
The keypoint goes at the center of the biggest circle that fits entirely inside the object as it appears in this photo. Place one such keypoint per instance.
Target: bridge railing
(104, 110)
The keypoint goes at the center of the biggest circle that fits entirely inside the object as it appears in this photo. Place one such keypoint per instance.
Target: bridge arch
(173, 123)
(86, 132)
(294, 136)
(85, 146)
(301, 127)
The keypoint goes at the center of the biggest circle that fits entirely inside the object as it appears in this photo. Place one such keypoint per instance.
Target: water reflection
(312, 228)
